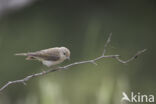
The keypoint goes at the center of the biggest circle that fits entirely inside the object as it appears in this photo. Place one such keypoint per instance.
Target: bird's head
(65, 52)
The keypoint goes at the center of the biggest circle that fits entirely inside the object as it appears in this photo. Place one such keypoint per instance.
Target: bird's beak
(68, 58)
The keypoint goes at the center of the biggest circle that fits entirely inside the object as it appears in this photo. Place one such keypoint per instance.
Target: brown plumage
(49, 57)
(49, 54)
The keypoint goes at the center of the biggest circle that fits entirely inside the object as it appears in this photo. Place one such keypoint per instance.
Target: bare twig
(92, 61)
(106, 44)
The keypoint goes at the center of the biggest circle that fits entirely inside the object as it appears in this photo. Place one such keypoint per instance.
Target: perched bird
(48, 57)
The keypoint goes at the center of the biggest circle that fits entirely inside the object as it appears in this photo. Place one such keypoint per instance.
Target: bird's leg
(55, 67)
(43, 69)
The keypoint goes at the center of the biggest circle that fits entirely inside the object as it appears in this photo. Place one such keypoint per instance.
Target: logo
(137, 97)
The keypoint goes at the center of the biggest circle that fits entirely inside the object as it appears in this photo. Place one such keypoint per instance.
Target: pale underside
(51, 63)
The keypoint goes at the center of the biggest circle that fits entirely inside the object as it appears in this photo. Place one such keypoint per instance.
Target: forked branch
(92, 61)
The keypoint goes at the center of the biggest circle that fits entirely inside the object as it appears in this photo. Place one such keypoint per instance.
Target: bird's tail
(29, 55)
(21, 54)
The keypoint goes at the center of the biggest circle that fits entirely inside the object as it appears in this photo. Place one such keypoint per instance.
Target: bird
(49, 57)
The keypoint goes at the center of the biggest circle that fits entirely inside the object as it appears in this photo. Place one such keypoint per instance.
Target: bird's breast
(51, 63)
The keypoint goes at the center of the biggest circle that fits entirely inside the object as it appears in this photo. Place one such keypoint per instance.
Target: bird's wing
(51, 54)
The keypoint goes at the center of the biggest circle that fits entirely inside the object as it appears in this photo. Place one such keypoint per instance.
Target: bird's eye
(64, 53)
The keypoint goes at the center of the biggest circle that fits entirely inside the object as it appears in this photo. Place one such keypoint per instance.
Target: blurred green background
(83, 27)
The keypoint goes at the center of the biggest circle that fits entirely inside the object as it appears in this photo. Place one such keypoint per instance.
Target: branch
(92, 61)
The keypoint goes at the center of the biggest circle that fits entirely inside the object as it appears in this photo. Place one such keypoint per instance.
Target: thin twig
(106, 44)
(92, 61)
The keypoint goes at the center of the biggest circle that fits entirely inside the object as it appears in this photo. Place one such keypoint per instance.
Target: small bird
(48, 57)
